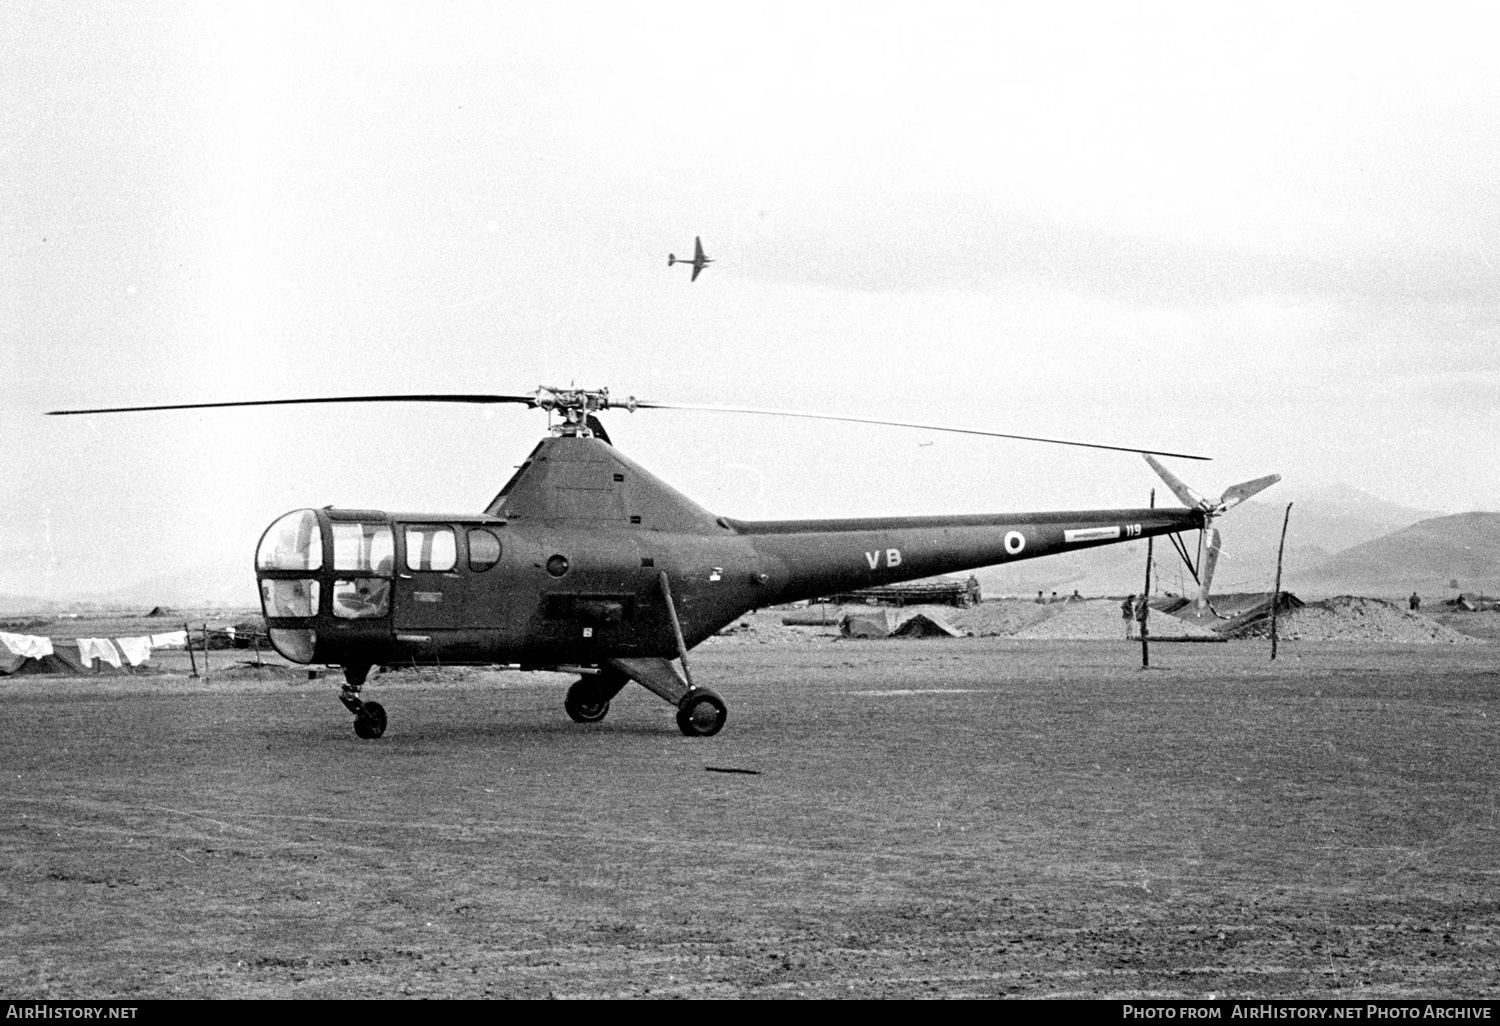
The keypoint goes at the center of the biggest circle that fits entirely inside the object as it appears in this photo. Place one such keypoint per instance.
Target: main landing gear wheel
(370, 723)
(583, 703)
(701, 713)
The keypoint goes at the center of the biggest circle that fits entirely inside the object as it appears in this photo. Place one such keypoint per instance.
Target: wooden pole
(205, 650)
(1146, 593)
(188, 634)
(1276, 598)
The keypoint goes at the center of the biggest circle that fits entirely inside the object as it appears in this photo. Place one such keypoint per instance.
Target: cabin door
(429, 589)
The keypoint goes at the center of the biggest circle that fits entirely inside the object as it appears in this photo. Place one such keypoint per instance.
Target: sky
(1262, 233)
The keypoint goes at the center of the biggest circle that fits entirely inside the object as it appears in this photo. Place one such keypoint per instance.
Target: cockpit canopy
(295, 575)
(293, 542)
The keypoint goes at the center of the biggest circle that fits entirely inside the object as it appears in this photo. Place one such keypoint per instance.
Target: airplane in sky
(699, 261)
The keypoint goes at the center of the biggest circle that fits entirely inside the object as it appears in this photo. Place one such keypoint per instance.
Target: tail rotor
(1209, 544)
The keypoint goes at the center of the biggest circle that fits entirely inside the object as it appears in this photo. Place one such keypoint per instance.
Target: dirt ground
(977, 816)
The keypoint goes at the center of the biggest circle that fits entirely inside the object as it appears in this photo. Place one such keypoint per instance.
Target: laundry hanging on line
(90, 649)
(28, 646)
(136, 650)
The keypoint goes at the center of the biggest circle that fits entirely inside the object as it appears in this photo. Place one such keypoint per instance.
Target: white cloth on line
(171, 639)
(28, 645)
(136, 650)
(101, 648)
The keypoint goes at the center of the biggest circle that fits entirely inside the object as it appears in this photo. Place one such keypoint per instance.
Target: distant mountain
(1424, 557)
(1339, 517)
(11, 605)
(232, 587)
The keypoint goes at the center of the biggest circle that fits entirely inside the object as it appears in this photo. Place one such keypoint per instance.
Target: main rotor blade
(639, 404)
(528, 400)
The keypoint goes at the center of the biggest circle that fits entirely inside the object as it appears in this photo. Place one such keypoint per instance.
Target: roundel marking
(1015, 541)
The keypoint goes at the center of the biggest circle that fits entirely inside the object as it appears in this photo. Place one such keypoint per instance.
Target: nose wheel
(370, 721)
(369, 717)
(701, 713)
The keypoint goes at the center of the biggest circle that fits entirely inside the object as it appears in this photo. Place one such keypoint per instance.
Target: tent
(873, 623)
(922, 625)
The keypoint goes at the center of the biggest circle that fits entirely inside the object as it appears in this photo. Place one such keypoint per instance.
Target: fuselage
(565, 566)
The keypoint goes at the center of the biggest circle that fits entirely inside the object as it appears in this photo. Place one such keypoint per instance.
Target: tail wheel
(583, 704)
(701, 713)
(370, 723)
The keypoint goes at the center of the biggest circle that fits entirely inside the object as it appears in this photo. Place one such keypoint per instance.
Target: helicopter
(587, 563)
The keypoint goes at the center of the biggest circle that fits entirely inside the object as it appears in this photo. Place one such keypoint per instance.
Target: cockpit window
(292, 543)
(364, 547)
(289, 598)
(430, 548)
(361, 598)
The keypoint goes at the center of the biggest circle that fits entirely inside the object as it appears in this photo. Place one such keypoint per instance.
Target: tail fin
(671, 259)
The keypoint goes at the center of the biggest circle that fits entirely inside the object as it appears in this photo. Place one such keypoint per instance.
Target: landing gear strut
(369, 717)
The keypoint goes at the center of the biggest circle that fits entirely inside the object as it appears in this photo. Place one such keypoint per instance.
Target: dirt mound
(1350, 618)
(1001, 619)
(1100, 619)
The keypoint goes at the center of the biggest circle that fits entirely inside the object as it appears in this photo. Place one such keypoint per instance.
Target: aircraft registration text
(1088, 534)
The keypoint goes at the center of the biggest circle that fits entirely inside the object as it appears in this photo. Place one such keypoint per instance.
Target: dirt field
(980, 816)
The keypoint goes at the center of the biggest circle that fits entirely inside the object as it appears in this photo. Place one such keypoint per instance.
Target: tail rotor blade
(1236, 494)
(1206, 572)
(1185, 495)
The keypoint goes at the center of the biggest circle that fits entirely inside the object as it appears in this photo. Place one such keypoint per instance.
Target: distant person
(1127, 611)
(1054, 597)
(972, 587)
(1040, 600)
(1075, 597)
(1140, 613)
(1415, 602)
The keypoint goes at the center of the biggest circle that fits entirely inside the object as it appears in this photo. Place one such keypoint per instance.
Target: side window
(429, 547)
(484, 550)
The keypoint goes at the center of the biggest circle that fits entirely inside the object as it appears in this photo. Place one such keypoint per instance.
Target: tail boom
(816, 557)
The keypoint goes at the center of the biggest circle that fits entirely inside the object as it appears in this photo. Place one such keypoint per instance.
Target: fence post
(188, 634)
(1146, 594)
(1276, 597)
(205, 650)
